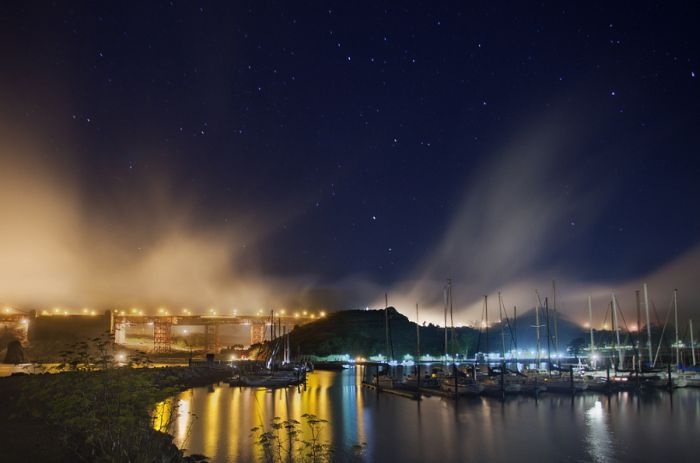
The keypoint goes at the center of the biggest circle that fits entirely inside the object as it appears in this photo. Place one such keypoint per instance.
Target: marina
(586, 427)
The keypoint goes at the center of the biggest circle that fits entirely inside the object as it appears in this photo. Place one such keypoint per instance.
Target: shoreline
(28, 438)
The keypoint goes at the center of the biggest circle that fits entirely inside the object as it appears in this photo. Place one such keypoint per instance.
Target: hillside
(362, 333)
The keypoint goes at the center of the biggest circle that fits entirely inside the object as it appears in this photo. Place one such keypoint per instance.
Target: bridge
(262, 327)
(30, 324)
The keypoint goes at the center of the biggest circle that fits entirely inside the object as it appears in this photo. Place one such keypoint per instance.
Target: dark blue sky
(356, 131)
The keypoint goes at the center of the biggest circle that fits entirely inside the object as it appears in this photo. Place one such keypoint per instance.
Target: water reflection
(589, 427)
(598, 436)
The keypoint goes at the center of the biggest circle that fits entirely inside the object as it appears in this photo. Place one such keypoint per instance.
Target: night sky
(323, 155)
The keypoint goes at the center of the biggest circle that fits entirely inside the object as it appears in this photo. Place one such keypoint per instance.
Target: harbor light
(323, 314)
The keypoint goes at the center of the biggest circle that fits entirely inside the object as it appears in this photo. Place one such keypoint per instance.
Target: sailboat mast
(417, 350)
(452, 320)
(284, 344)
(554, 306)
(639, 327)
(617, 332)
(692, 340)
(590, 323)
(486, 311)
(537, 328)
(503, 332)
(444, 295)
(646, 309)
(549, 352)
(386, 323)
(417, 337)
(675, 315)
(515, 334)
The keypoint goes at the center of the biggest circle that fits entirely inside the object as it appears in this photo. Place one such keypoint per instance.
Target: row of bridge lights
(9, 310)
(64, 312)
(165, 312)
(213, 312)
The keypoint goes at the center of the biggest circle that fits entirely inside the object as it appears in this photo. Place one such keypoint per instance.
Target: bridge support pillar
(120, 333)
(211, 338)
(162, 334)
(257, 333)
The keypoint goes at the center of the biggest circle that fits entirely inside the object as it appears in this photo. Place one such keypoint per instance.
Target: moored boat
(383, 381)
(463, 386)
(492, 385)
(561, 384)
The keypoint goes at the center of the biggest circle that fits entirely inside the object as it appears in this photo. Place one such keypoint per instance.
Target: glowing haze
(150, 249)
(146, 250)
(248, 156)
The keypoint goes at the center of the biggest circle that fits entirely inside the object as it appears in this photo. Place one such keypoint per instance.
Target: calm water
(588, 428)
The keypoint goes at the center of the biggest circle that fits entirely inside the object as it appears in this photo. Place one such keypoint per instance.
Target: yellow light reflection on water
(184, 418)
(212, 420)
(218, 422)
(163, 415)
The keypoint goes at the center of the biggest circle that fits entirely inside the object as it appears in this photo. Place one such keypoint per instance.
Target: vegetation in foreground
(100, 410)
(284, 442)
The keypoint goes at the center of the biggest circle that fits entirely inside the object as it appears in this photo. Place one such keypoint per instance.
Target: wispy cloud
(521, 211)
